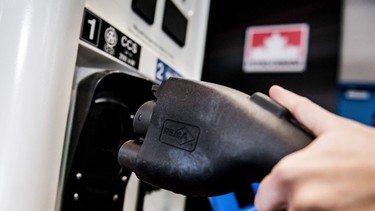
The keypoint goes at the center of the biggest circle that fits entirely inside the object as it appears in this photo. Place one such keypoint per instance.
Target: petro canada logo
(276, 48)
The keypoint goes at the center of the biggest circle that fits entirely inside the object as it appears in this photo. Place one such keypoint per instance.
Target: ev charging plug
(204, 139)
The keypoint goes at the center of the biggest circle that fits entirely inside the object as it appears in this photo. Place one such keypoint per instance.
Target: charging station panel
(56, 47)
(124, 48)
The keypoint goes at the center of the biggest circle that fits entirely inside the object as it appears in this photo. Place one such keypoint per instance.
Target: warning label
(276, 48)
(107, 38)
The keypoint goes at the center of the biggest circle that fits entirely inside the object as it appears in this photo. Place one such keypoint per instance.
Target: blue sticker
(163, 71)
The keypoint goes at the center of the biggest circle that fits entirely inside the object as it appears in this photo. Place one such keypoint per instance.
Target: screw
(76, 197)
(79, 176)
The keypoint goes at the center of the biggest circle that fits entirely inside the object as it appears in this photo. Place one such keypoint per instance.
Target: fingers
(275, 189)
(291, 181)
(271, 195)
(306, 112)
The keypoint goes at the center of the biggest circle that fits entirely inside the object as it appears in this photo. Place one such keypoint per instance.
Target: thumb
(307, 113)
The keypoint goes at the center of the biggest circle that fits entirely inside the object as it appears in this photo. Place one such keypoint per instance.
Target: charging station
(73, 73)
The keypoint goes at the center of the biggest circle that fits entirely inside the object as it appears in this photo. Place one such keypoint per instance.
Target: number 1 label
(92, 23)
(91, 28)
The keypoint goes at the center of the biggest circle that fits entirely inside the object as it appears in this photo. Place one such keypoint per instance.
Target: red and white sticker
(276, 48)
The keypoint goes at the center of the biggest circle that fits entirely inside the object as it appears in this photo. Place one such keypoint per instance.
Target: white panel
(39, 40)
(186, 60)
(358, 47)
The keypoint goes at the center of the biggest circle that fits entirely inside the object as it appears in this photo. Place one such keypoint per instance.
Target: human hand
(335, 172)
